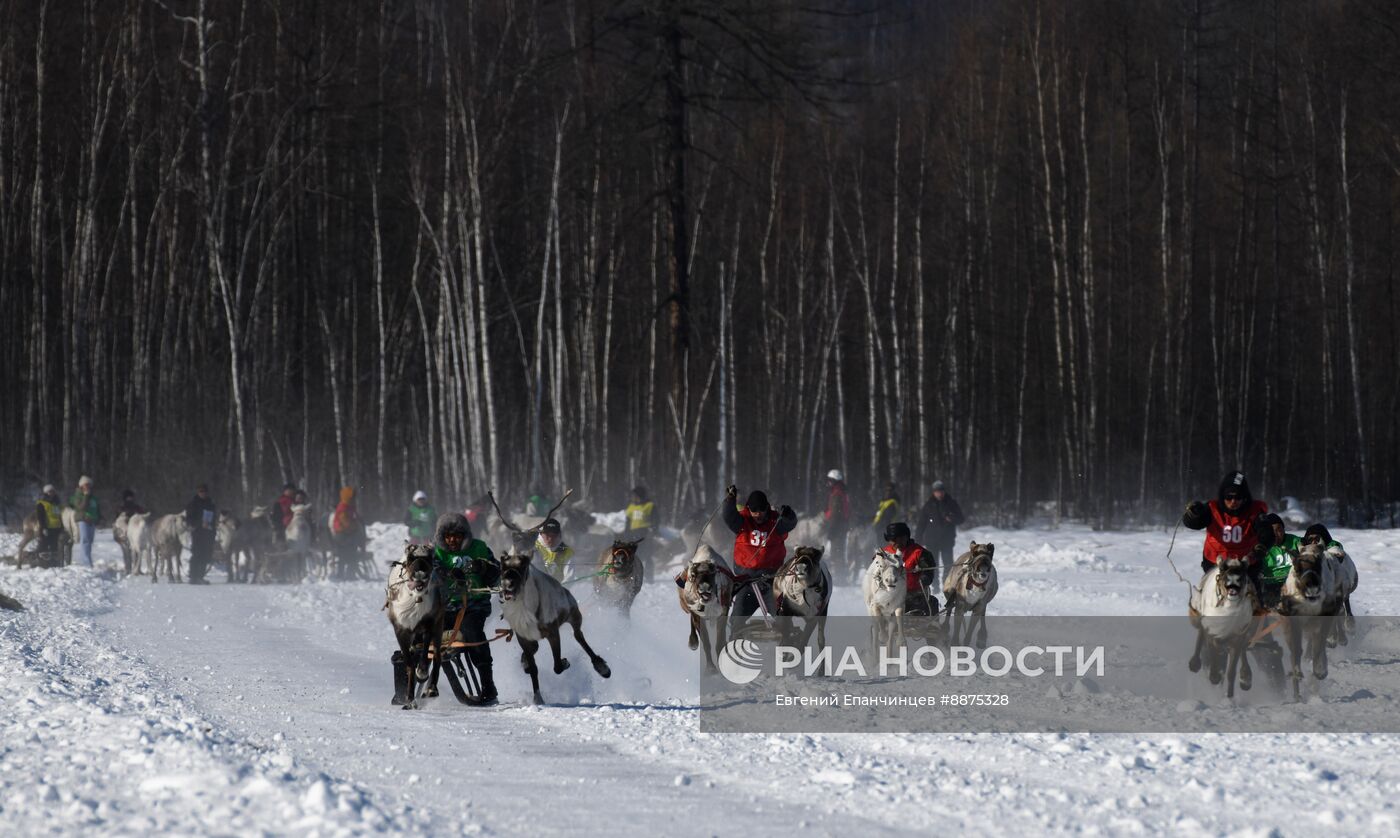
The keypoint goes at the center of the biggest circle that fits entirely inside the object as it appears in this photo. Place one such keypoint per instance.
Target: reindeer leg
(1295, 656)
(979, 617)
(1246, 673)
(527, 661)
(697, 626)
(1195, 663)
(599, 665)
(1319, 651)
(694, 641)
(1232, 666)
(721, 630)
(561, 663)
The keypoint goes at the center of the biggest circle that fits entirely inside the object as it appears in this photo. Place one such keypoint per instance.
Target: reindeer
(884, 591)
(299, 539)
(171, 534)
(971, 585)
(30, 533)
(119, 535)
(413, 598)
(802, 588)
(252, 543)
(1222, 612)
(1347, 580)
(706, 587)
(225, 538)
(535, 605)
(1311, 600)
(140, 538)
(619, 576)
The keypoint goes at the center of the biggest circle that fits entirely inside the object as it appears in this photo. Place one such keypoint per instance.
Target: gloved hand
(786, 512)
(1196, 509)
(458, 575)
(732, 492)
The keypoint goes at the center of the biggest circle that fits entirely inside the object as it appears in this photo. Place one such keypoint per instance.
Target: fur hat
(449, 523)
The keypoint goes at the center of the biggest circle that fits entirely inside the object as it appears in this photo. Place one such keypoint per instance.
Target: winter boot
(487, 698)
(400, 679)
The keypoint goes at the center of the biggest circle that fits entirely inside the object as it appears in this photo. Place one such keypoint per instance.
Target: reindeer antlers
(512, 525)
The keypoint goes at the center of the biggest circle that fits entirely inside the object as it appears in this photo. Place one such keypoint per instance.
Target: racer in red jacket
(760, 546)
(1232, 526)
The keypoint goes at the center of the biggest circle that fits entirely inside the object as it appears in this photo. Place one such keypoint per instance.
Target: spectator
(88, 513)
(938, 525)
(201, 516)
(421, 519)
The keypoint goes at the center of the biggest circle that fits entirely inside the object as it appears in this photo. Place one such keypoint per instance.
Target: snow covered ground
(133, 708)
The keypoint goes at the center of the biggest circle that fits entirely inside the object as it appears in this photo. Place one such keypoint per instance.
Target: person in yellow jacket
(641, 514)
(886, 512)
(49, 511)
(551, 547)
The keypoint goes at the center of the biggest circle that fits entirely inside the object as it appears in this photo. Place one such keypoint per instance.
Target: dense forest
(1092, 253)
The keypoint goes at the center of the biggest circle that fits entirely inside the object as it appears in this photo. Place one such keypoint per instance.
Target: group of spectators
(200, 514)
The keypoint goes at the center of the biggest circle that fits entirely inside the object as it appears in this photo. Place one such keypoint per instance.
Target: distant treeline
(1092, 251)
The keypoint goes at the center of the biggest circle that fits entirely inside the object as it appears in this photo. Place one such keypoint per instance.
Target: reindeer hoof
(693, 644)
(421, 673)
(1194, 664)
(432, 692)
(1216, 677)
(539, 700)
(1246, 682)
(601, 667)
(561, 665)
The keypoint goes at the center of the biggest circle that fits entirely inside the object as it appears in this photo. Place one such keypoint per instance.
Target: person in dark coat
(938, 525)
(201, 516)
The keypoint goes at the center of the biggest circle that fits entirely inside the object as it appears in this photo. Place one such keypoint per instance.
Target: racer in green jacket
(471, 572)
(1278, 560)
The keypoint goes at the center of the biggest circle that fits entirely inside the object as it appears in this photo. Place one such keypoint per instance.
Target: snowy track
(133, 708)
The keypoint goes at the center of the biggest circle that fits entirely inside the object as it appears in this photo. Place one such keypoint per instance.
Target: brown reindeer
(619, 576)
(970, 586)
(706, 587)
(802, 588)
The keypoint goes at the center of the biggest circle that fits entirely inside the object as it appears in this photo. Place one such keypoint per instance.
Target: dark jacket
(939, 520)
(201, 515)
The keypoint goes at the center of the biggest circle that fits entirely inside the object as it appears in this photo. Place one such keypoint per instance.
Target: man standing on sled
(471, 572)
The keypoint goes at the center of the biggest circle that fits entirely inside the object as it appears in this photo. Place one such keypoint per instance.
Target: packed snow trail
(134, 708)
(248, 656)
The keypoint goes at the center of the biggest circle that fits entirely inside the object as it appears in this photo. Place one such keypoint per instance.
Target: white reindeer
(1222, 612)
(299, 538)
(140, 541)
(884, 591)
